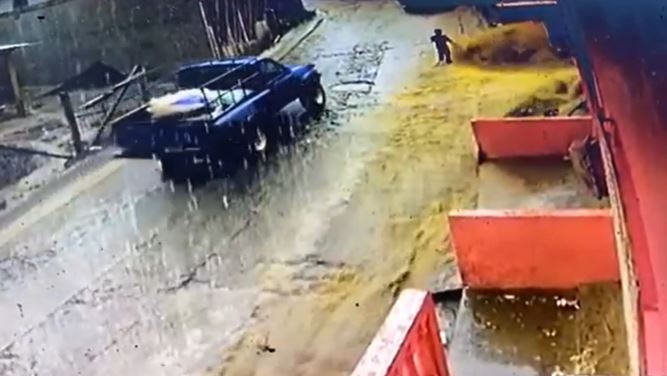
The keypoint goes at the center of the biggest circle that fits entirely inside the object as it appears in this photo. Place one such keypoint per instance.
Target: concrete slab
(533, 184)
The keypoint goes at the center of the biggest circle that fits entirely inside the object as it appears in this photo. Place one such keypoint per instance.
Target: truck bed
(147, 139)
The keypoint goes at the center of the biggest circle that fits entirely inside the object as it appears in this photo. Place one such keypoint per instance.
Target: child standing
(440, 41)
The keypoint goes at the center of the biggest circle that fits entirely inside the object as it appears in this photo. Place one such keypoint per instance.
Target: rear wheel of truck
(260, 142)
(256, 143)
(314, 100)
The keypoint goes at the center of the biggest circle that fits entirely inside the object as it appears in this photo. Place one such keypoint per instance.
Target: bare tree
(233, 21)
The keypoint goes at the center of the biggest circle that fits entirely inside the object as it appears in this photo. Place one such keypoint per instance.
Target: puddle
(353, 87)
(574, 332)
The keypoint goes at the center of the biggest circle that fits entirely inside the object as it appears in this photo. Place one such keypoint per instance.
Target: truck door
(279, 82)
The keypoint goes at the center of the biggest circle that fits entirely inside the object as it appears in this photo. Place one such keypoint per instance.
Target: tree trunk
(233, 21)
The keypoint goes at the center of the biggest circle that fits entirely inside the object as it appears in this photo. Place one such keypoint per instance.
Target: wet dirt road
(126, 274)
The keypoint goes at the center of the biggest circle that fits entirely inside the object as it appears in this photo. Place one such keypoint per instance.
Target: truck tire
(314, 100)
(256, 136)
(260, 141)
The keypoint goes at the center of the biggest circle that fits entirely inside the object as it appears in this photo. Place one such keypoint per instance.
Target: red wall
(634, 99)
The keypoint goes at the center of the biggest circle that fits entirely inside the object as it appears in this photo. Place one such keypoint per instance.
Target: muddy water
(573, 332)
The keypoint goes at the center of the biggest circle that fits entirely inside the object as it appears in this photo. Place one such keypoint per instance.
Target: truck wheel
(314, 100)
(260, 141)
(258, 134)
(255, 147)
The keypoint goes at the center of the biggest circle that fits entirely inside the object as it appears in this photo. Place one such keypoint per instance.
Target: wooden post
(16, 87)
(71, 121)
(109, 114)
(242, 24)
(143, 87)
(210, 34)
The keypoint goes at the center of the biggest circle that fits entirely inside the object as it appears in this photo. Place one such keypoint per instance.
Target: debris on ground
(27, 148)
(521, 43)
(508, 46)
(557, 98)
(15, 166)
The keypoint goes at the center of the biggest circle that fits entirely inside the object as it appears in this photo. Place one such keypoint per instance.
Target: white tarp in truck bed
(190, 100)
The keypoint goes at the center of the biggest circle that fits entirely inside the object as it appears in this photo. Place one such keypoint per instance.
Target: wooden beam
(71, 121)
(16, 86)
(628, 272)
(121, 85)
(119, 98)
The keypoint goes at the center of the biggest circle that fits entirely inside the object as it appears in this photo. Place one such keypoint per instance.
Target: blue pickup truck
(222, 112)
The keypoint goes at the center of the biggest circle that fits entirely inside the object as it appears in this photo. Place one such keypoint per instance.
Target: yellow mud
(518, 43)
